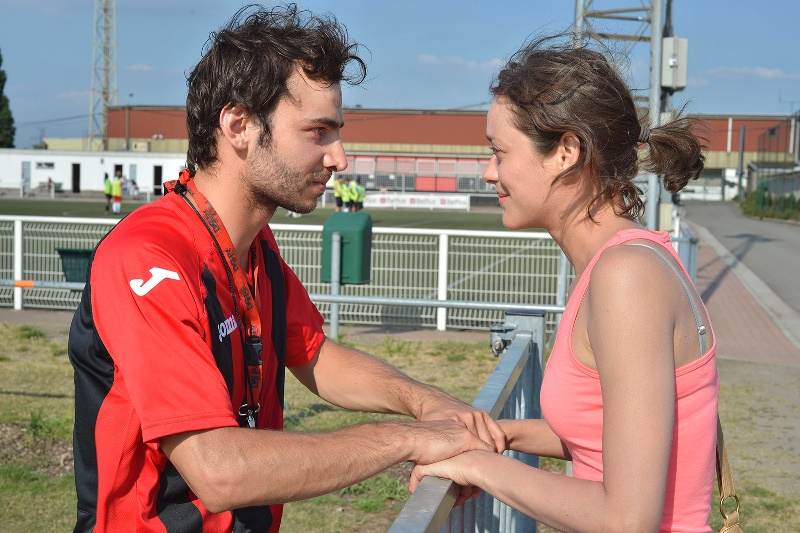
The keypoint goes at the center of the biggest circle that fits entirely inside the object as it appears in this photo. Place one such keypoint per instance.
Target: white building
(80, 171)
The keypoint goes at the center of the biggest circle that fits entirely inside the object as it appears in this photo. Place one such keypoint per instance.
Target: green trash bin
(75, 262)
(356, 232)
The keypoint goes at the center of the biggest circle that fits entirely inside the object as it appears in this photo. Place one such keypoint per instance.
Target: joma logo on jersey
(157, 275)
(227, 327)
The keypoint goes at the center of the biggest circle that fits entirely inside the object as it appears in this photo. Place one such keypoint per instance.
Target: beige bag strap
(726, 488)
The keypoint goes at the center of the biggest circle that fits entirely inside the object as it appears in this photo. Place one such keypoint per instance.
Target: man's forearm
(358, 381)
(229, 468)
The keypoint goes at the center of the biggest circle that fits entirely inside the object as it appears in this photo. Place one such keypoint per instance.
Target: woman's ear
(233, 123)
(569, 150)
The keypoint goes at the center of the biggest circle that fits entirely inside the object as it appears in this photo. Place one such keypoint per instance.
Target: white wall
(93, 166)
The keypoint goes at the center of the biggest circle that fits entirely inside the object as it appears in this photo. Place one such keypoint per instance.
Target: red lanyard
(250, 327)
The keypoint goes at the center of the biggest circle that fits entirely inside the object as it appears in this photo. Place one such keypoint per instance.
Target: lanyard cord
(250, 328)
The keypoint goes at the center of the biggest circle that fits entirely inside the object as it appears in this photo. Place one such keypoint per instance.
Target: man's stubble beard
(271, 182)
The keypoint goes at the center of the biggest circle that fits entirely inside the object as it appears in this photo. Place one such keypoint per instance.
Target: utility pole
(648, 14)
(104, 72)
(740, 172)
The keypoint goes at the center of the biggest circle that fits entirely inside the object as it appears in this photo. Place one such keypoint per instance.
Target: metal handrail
(512, 391)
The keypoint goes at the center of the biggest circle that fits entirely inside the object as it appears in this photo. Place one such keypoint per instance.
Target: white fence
(503, 267)
(500, 267)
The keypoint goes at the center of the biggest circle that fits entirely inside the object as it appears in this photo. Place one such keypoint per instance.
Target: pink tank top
(572, 404)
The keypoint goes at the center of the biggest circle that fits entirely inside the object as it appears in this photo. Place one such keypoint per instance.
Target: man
(116, 193)
(107, 190)
(360, 193)
(347, 195)
(165, 406)
(338, 186)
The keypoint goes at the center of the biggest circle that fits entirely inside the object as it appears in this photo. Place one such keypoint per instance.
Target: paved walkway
(752, 322)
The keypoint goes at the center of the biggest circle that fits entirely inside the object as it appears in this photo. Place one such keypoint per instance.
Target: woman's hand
(462, 469)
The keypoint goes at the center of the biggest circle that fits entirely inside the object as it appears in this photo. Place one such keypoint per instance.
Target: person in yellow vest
(116, 193)
(107, 190)
(338, 185)
(347, 195)
(360, 193)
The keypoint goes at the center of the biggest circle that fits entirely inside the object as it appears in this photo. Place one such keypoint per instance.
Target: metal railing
(685, 243)
(511, 392)
(432, 267)
(28, 252)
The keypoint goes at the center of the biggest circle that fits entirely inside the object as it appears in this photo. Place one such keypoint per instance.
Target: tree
(7, 129)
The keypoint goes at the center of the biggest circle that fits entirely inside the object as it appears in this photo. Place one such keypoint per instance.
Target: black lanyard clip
(252, 351)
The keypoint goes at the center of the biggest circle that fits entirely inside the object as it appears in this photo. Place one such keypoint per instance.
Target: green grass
(60, 207)
(28, 332)
(475, 220)
(761, 509)
(420, 219)
(32, 501)
(37, 493)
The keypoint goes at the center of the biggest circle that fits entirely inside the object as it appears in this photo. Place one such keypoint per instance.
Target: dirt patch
(48, 455)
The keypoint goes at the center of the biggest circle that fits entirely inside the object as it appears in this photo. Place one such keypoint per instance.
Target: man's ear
(569, 150)
(234, 120)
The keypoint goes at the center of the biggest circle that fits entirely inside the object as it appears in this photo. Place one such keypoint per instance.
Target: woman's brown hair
(555, 88)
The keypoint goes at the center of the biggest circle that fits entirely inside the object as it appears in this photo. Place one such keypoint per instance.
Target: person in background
(360, 193)
(107, 190)
(178, 415)
(116, 193)
(338, 187)
(631, 387)
(347, 195)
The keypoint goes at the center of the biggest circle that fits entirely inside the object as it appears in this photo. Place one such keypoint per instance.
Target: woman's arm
(534, 437)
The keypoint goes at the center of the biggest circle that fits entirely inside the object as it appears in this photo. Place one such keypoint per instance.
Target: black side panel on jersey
(221, 348)
(257, 519)
(176, 511)
(94, 377)
(272, 263)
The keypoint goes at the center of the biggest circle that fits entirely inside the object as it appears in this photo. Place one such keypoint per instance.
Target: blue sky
(434, 54)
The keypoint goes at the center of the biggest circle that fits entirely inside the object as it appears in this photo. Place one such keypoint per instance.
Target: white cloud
(751, 73)
(428, 59)
(140, 68)
(459, 62)
(698, 81)
(72, 95)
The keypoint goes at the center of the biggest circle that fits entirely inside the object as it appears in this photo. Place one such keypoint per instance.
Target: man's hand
(439, 406)
(437, 440)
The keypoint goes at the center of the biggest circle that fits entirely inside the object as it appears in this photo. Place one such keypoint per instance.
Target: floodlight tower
(649, 14)
(104, 72)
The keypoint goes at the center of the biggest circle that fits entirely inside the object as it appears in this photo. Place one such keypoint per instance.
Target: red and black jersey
(156, 351)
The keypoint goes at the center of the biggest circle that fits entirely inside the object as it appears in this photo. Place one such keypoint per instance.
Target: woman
(630, 389)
